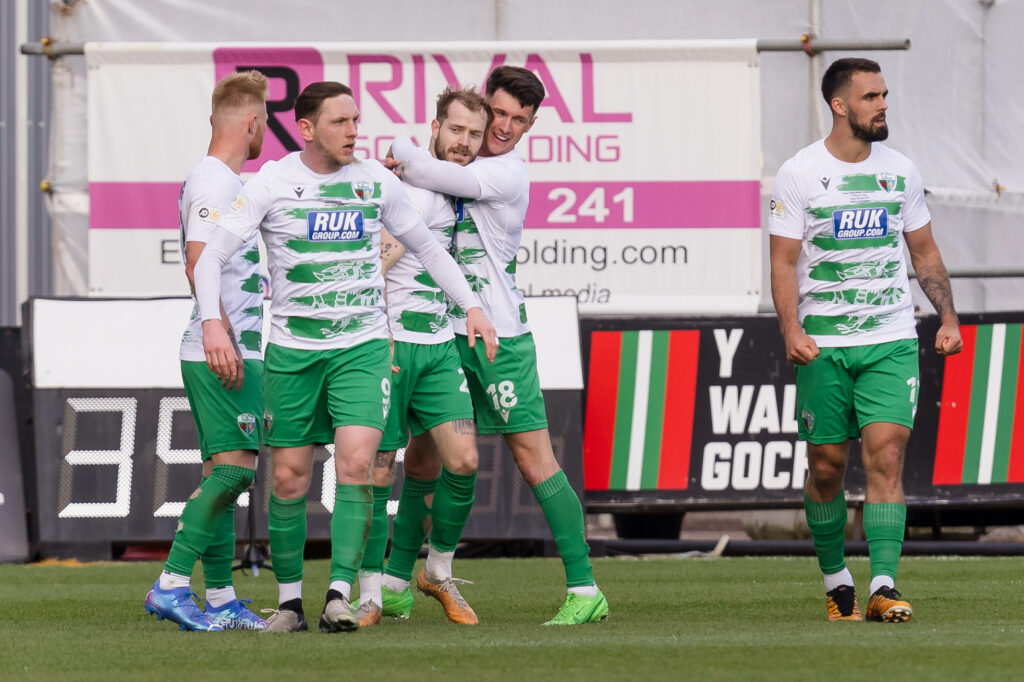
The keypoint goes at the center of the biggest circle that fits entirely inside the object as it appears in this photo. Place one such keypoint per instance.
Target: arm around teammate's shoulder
(421, 169)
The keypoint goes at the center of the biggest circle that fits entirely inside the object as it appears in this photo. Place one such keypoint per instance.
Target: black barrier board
(115, 466)
(686, 412)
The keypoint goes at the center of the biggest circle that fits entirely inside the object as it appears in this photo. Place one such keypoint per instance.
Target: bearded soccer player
(328, 364)
(842, 210)
(429, 398)
(506, 394)
(227, 414)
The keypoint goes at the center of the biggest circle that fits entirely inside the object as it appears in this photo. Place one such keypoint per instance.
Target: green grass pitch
(671, 619)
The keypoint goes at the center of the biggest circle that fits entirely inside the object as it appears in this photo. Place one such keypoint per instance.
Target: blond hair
(240, 89)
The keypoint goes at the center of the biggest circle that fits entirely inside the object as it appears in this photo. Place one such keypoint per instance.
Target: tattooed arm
(934, 281)
(391, 250)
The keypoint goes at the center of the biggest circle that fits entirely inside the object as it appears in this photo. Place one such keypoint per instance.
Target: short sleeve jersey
(851, 218)
(205, 196)
(322, 233)
(487, 236)
(417, 307)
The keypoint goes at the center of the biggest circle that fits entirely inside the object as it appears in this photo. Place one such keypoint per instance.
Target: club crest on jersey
(247, 423)
(268, 421)
(860, 223)
(887, 181)
(335, 226)
(808, 418)
(363, 189)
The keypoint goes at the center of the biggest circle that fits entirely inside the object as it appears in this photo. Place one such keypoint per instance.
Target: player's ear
(838, 106)
(305, 127)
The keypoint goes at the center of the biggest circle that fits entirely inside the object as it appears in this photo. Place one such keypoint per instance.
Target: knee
(421, 468)
(463, 462)
(825, 472)
(289, 483)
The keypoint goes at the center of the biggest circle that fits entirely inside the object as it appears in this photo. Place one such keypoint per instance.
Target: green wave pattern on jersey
(338, 271)
(424, 323)
(252, 284)
(829, 271)
(868, 182)
(341, 299)
(307, 328)
(251, 340)
(860, 296)
(467, 255)
(844, 325)
(347, 190)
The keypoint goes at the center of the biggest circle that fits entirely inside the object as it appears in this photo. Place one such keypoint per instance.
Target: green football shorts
(309, 393)
(844, 389)
(429, 389)
(506, 394)
(225, 420)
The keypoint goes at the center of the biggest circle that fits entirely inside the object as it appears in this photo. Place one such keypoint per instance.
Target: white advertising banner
(644, 161)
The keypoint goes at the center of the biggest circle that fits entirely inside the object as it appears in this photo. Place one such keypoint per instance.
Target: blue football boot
(235, 615)
(176, 605)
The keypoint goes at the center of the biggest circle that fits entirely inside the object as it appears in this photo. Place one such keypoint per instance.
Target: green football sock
(884, 527)
(197, 523)
(286, 526)
(377, 542)
(410, 527)
(350, 526)
(220, 553)
(564, 515)
(452, 504)
(826, 521)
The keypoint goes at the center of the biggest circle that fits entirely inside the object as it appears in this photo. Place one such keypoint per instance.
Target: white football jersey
(851, 217)
(205, 196)
(487, 236)
(323, 247)
(417, 307)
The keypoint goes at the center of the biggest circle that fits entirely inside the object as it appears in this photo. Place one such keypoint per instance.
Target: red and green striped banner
(981, 417)
(640, 404)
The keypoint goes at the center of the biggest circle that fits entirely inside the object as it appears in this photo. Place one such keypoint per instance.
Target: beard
(868, 133)
(441, 152)
(255, 147)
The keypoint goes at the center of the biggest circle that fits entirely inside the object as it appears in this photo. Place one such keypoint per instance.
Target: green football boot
(396, 604)
(579, 609)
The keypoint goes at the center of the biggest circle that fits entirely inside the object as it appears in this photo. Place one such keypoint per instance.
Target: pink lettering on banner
(133, 205)
(618, 205)
(589, 115)
(289, 70)
(376, 89)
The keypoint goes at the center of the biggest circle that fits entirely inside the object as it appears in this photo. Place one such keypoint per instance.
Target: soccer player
(429, 397)
(227, 414)
(506, 394)
(841, 211)
(327, 364)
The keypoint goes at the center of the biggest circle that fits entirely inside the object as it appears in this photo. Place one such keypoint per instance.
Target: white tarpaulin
(644, 161)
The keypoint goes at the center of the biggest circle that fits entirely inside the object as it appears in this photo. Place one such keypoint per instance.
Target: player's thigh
(296, 398)
(396, 427)
(358, 382)
(225, 420)
(887, 387)
(506, 393)
(441, 393)
(824, 398)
